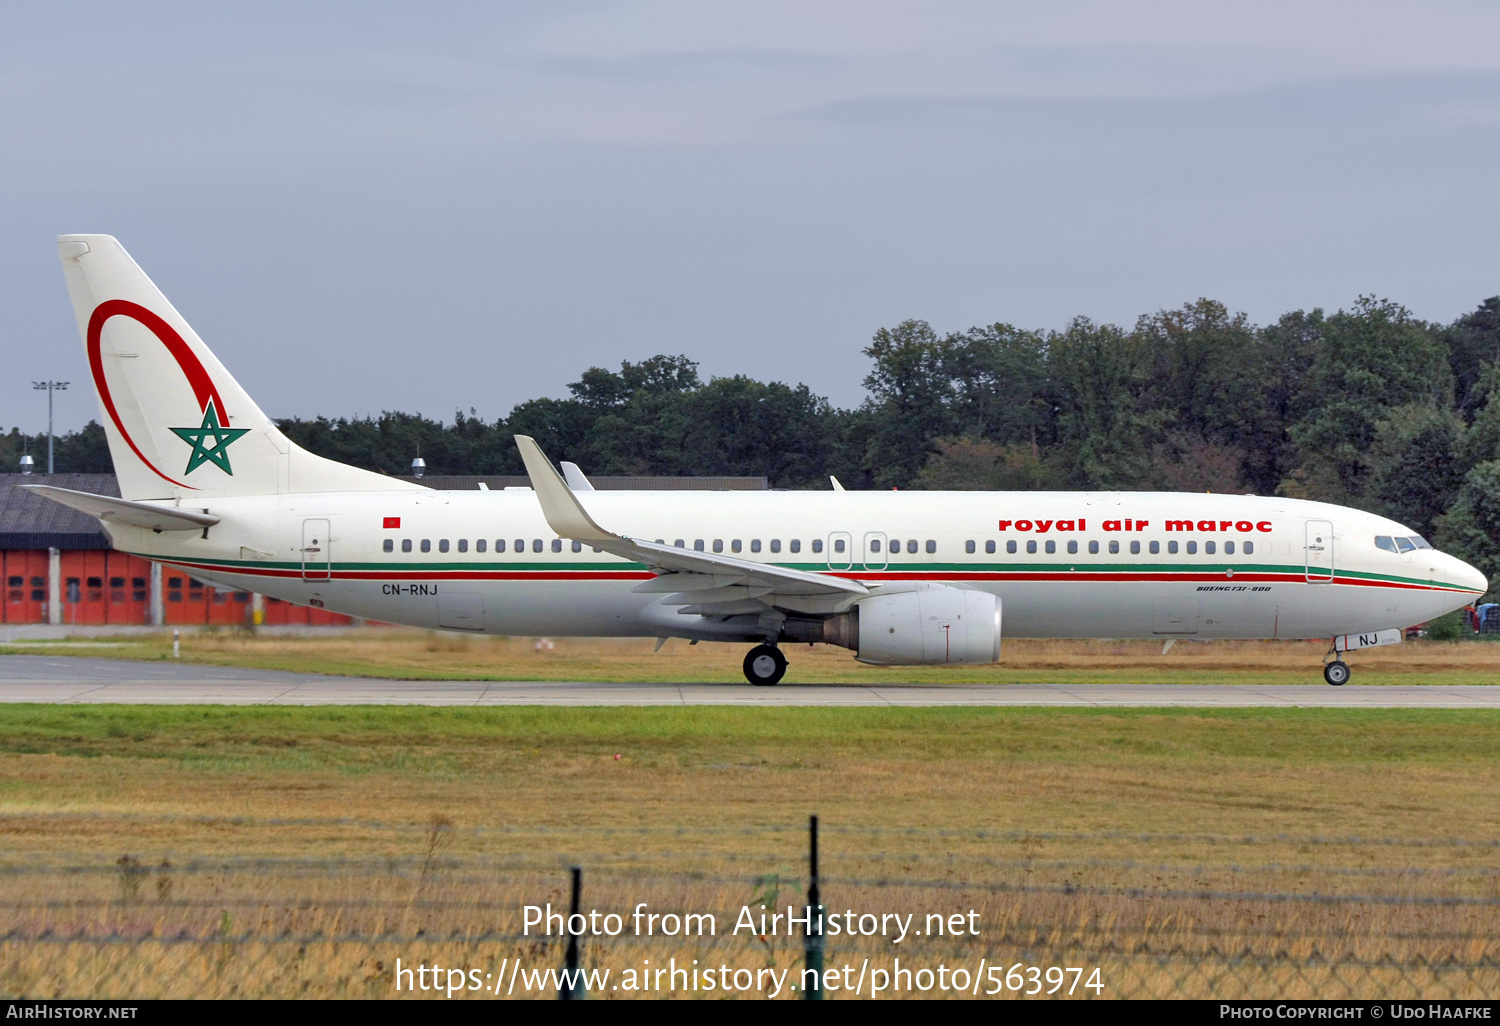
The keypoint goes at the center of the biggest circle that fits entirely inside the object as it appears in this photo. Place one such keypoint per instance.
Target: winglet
(575, 478)
(564, 513)
(836, 486)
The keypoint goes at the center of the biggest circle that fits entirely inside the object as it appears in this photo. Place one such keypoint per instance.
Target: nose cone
(1463, 575)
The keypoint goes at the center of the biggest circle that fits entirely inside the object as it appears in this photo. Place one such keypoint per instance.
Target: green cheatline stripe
(1107, 568)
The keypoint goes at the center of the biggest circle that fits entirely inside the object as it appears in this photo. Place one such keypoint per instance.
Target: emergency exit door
(317, 551)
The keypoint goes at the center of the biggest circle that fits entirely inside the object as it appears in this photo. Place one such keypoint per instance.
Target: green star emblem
(209, 442)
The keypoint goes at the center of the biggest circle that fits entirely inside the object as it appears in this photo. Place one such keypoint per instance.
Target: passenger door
(1319, 551)
(875, 557)
(317, 550)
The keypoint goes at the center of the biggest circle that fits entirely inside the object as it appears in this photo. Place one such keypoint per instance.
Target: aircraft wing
(708, 582)
(124, 511)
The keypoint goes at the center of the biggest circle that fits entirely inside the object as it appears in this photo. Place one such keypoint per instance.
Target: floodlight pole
(50, 386)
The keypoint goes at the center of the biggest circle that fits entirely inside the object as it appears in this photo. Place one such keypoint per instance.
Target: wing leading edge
(706, 583)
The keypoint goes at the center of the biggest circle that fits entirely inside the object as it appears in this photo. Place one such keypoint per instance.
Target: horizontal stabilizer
(124, 511)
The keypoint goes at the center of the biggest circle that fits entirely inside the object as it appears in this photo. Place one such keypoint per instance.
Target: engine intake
(932, 624)
(936, 625)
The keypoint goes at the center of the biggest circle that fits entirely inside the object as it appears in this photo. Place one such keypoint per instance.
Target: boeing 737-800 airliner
(211, 486)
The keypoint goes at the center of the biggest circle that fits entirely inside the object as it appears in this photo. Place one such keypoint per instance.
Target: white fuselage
(1116, 564)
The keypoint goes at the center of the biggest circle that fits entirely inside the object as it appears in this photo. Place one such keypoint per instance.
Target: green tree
(1470, 529)
(1374, 358)
(1473, 342)
(1105, 426)
(909, 400)
(967, 463)
(1415, 477)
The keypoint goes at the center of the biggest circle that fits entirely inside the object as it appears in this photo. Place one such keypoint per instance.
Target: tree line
(1368, 407)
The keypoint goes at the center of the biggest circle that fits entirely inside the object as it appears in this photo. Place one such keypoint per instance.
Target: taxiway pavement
(77, 680)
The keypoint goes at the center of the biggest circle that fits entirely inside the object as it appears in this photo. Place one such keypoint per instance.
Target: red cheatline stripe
(946, 575)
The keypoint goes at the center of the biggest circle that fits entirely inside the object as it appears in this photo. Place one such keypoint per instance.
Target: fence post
(813, 935)
(572, 988)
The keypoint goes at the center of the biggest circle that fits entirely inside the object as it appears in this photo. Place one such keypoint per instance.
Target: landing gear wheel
(1336, 673)
(765, 665)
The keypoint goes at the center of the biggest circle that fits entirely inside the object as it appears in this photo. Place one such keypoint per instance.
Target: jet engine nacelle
(934, 625)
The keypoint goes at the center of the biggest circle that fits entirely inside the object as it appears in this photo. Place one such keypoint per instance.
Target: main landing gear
(765, 665)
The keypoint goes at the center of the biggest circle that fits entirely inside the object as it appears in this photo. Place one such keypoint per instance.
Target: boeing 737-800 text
(211, 486)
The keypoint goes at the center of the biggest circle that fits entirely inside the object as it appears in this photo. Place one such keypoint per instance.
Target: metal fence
(985, 914)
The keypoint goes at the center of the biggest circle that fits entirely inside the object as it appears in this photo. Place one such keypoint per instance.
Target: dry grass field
(427, 655)
(215, 851)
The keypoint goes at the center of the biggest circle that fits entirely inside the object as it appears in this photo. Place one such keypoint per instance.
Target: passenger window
(818, 545)
(754, 544)
(968, 546)
(796, 545)
(1114, 548)
(405, 544)
(463, 545)
(931, 546)
(388, 545)
(1404, 544)
(718, 544)
(838, 545)
(1155, 548)
(1229, 548)
(536, 545)
(1192, 548)
(556, 544)
(443, 545)
(578, 546)
(679, 543)
(1209, 548)
(775, 544)
(520, 545)
(989, 546)
(697, 544)
(1072, 547)
(1249, 548)
(1389, 544)
(875, 545)
(734, 546)
(481, 545)
(426, 545)
(1031, 545)
(1093, 548)
(1051, 546)
(1135, 548)
(1171, 548)
(1010, 547)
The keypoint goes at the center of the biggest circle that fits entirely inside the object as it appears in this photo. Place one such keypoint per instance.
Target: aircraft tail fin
(179, 425)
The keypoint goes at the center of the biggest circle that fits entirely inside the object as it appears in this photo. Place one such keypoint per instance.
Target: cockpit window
(1389, 544)
(1404, 544)
(1420, 542)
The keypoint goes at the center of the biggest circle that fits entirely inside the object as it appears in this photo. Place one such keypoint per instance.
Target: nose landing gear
(765, 665)
(1336, 672)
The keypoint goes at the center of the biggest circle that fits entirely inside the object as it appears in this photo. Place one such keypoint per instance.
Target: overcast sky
(435, 206)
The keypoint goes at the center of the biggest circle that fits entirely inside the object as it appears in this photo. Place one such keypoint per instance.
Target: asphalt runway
(83, 680)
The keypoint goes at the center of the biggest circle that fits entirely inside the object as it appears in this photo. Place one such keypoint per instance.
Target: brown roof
(28, 521)
(468, 482)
